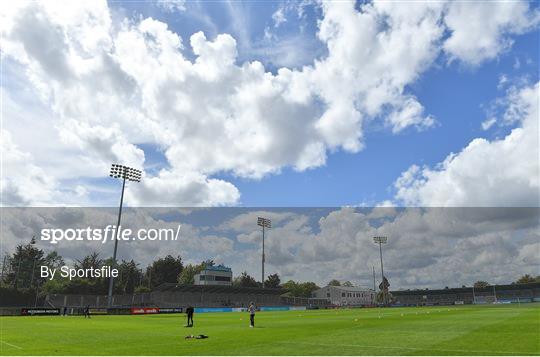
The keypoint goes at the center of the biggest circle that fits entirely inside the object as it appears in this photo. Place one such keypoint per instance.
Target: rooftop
(349, 288)
(218, 268)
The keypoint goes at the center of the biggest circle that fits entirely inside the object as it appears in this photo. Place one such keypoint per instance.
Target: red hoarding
(144, 310)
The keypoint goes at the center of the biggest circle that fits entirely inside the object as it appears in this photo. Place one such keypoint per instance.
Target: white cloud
(172, 5)
(503, 172)
(410, 114)
(279, 17)
(426, 247)
(114, 86)
(488, 123)
(480, 30)
(26, 183)
(503, 79)
(433, 247)
(529, 254)
(170, 188)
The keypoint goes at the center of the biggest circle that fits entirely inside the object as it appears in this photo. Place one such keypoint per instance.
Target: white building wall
(345, 296)
(210, 277)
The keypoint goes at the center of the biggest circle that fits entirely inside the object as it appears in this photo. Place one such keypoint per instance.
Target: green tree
(334, 282)
(54, 260)
(142, 289)
(58, 285)
(129, 276)
(526, 279)
(272, 281)
(164, 270)
(245, 280)
(24, 266)
(187, 276)
(307, 288)
(300, 289)
(87, 285)
(481, 284)
(348, 284)
(292, 287)
(91, 261)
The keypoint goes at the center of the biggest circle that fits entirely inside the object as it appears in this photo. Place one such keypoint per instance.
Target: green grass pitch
(457, 330)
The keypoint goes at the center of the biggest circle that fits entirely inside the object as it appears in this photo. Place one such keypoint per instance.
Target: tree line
(21, 273)
(524, 279)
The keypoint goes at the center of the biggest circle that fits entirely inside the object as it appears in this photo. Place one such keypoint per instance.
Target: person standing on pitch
(87, 311)
(251, 310)
(189, 312)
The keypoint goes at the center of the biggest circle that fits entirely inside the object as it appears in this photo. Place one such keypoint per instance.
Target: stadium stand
(313, 303)
(515, 293)
(171, 295)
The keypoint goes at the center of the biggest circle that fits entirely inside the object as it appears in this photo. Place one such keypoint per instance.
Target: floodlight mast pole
(382, 272)
(111, 279)
(374, 285)
(262, 270)
(264, 223)
(380, 241)
(130, 174)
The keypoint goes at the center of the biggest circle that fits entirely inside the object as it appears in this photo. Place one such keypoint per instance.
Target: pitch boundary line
(407, 348)
(12, 345)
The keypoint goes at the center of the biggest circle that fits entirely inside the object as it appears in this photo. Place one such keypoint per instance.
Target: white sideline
(411, 348)
(12, 345)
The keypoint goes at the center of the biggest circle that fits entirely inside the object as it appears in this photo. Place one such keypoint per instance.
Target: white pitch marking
(410, 348)
(12, 345)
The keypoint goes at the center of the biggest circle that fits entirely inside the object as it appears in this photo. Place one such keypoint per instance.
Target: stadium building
(345, 295)
(214, 275)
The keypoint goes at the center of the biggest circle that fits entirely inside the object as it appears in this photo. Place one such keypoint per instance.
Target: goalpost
(485, 298)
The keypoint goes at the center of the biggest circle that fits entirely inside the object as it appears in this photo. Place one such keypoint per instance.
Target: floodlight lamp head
(380, 240)
(125, 172)
(264, 222)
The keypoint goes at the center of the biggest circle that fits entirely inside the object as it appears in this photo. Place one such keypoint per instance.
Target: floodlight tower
(129, 174)
(374, 284)
(381, 240)
(264, 223)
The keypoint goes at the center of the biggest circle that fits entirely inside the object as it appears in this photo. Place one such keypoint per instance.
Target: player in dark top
(64, 313)
(189, 311)
(251, 310)
(87, 311)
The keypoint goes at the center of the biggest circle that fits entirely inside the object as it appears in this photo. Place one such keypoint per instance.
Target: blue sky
(457, 95)
(321, 150)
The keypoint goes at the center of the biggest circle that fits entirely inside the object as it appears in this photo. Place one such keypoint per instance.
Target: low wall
(213, 309)
(275, 308)
(243, 309)
(297, 308)
(17, 311)
(28, 311)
